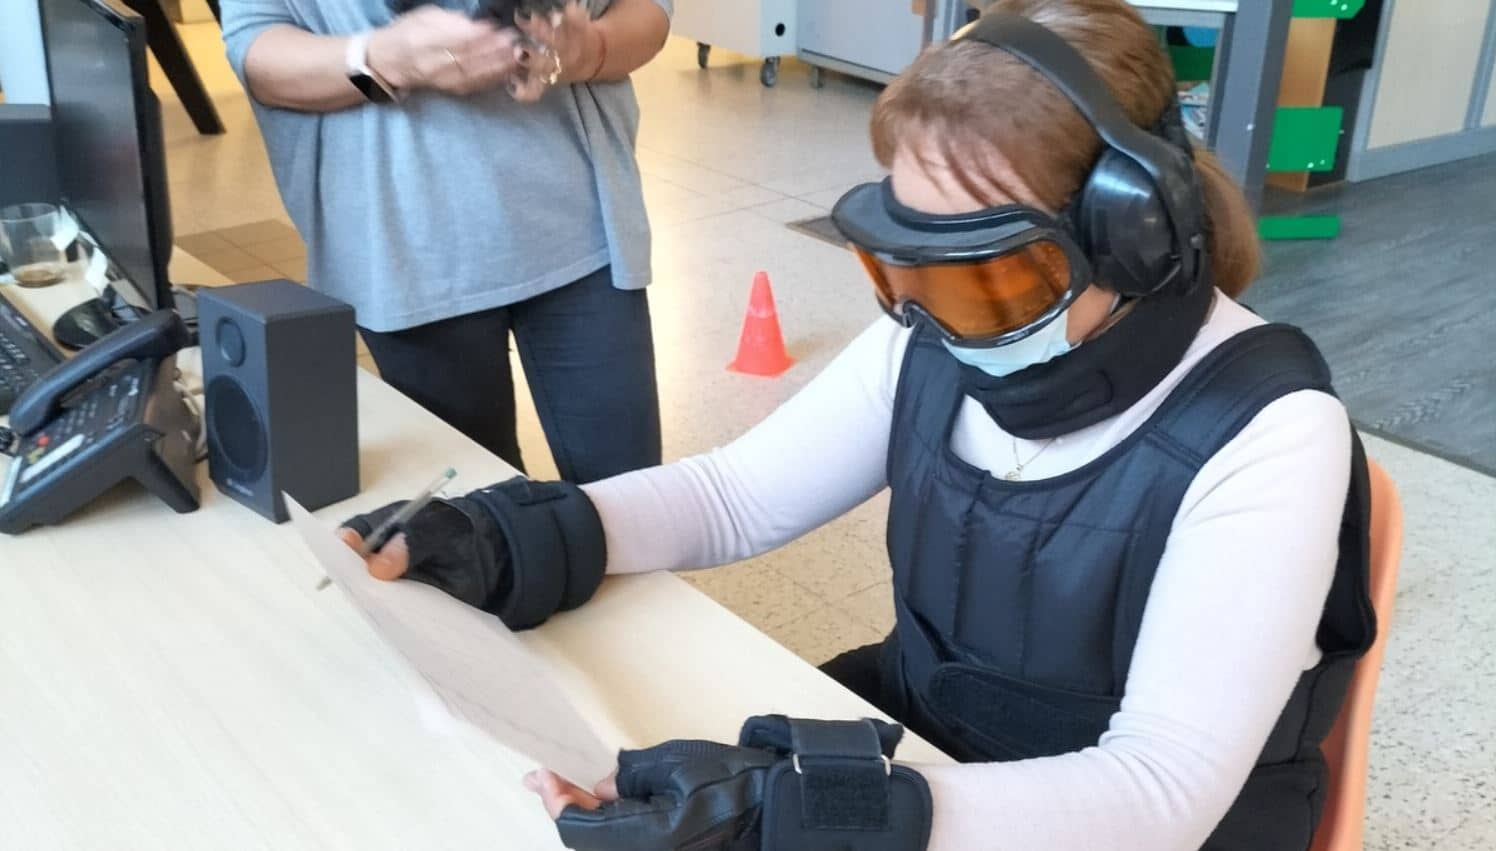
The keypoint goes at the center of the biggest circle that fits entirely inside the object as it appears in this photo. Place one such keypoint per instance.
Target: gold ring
(452, 56)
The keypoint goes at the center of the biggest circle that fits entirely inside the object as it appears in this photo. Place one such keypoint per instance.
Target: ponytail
(1230, 227)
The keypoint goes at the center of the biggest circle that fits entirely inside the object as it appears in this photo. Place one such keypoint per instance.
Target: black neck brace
(1101, 378)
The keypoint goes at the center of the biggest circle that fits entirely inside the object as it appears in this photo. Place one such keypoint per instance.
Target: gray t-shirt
(443, 206)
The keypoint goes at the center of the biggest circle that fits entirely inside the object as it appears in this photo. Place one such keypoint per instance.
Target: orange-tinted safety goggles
(979, 300)
(983, 279)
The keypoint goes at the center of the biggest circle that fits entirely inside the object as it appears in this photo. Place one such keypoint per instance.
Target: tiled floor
(726, 164)
(250, 252)
(256, 251)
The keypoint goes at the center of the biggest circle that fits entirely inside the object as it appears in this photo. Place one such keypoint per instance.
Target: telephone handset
(109, 414)
(158, 335)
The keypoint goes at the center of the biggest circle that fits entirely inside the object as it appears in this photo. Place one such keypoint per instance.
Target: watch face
(371, 89)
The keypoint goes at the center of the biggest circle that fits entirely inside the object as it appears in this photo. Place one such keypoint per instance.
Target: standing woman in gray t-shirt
(457, 180)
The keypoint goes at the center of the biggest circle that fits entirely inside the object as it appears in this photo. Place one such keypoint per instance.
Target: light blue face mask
(1043, 345)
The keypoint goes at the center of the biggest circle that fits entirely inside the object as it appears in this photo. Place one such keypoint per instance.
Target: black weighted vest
(1019, 603)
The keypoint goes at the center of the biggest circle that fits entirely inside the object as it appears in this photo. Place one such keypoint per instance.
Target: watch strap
(370, 84)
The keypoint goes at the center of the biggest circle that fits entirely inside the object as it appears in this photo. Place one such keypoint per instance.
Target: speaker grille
(235, 431)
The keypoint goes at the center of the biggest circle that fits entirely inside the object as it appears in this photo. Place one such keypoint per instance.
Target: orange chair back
(1349, 742)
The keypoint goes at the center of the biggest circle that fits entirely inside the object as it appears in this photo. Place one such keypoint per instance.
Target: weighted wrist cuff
(840, 790)
(556, 548)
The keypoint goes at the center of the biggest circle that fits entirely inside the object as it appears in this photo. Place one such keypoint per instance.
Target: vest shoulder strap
(1233, 383)
(1349, 624)
(928, 391)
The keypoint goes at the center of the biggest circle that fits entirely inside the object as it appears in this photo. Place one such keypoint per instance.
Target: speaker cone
(235, 430)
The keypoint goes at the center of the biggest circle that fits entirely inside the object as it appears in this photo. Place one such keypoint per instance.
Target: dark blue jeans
(589, 359)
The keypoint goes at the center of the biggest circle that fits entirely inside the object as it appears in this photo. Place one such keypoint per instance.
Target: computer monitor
(111, 162)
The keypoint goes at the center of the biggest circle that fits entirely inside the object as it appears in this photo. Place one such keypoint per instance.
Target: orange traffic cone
(761, 347)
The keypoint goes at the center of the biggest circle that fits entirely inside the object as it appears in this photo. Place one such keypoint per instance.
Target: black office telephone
(109, 414)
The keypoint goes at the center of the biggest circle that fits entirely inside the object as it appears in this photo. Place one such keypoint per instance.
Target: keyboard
(25, 354)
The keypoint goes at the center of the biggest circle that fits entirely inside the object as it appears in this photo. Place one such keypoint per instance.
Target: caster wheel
(769, 73)
(817, 77)
(703, 52)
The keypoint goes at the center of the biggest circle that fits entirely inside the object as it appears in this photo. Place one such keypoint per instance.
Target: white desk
(174, 681)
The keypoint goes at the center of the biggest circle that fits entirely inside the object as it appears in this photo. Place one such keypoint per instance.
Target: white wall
(23, 65)
(1428, 70)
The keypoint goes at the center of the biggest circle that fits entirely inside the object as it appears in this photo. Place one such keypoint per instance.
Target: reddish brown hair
(971, 100)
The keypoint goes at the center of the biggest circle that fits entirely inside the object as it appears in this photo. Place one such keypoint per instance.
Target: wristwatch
(374, 87)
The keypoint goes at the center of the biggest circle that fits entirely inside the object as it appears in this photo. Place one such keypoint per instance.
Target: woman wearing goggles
(1125, 599)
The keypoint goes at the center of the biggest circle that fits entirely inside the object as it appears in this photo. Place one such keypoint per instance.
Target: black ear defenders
(1139, 218)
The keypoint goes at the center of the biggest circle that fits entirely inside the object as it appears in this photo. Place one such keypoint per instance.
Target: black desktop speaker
(281, 404)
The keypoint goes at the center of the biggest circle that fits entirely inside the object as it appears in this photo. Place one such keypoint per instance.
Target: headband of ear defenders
(1169, 164)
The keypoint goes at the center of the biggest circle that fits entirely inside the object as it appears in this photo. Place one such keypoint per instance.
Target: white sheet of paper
(475, 664)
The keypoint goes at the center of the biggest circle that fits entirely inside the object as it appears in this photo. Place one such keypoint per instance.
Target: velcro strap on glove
(844, 776)
(556, 547)
(840, 790)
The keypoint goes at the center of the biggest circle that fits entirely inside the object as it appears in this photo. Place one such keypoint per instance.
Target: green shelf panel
(1305, 138)
(1279, 228)
(1192, 64)
(1327, 8)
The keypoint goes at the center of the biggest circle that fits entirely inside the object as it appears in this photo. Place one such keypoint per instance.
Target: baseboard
(1395, 159)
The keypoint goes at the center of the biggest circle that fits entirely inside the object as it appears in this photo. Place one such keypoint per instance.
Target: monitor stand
(184, 299)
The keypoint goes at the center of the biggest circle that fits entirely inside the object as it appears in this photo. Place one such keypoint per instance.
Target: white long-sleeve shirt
(1228, 628)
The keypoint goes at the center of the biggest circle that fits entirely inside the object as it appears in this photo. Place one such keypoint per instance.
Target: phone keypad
(113, 400)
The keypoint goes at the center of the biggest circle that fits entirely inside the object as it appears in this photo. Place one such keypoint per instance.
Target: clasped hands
(436, 48)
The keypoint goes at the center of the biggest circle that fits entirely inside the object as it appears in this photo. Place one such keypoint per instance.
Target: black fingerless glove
(521, 550)
(789, 785)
